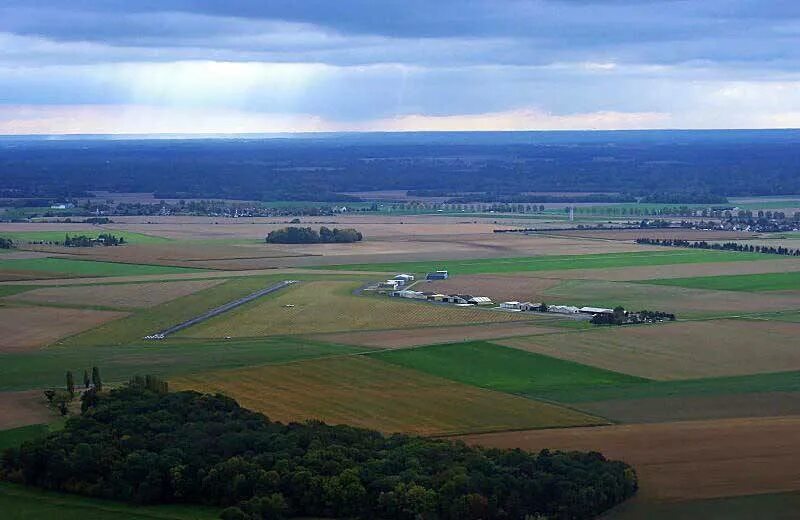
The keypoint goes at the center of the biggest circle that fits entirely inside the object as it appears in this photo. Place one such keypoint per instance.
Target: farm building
(510, 306)
(480, 300)
(595, 310)
(437, 275)
(389, 284)
(406, 278)
(563, 309)
(530, 306)
(414, 295)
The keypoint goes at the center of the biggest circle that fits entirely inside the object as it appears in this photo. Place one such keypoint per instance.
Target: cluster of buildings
(457, 299)
(514, 306)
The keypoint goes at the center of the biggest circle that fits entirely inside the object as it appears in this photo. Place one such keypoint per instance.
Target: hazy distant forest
(705, 164)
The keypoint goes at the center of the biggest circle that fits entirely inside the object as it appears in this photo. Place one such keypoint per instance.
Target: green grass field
(25, 503)
(507, 369)
(16, 436)
(58, 236)
(739, 282)
(558, 262)
(69, 267)
(775, 506)
(46, 367)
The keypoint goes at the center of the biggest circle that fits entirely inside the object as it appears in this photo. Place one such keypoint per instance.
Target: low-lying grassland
(744, 282)
(645, 257)
(681, 350)
(506, 369)
(80, 268)
(775, 506)
(329, 306)
(46, 367)
(31, 327)
(122, 296)
(366, 392)
(684, 460)
(25, 503)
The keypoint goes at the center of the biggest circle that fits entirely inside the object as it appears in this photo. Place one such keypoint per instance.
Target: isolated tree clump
(306, 235)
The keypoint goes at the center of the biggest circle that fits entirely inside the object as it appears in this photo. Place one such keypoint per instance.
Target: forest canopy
(149, 446)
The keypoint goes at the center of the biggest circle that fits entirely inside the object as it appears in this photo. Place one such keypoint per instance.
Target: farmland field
(647, 257)
(69, 267)
(497, 287)
(505, 369)
(24, 503)
(684, 460)
(27, 328)
(19, 409)
(321, 306)
(366, 392)
(674, 351)
(123, 296)
(746, 282)
(54, 235)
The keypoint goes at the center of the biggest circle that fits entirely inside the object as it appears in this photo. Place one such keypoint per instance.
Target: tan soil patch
(684, 460)
(498, 287)
(677, 270)
(23, 408)
(28, 328)
(666, 409)
(683, 301)
(359, 391)
(432, 335)
(672, 351)
(681, 234)
(125, 296)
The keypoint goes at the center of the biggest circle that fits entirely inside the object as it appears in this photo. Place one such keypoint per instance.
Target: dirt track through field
(684, 460)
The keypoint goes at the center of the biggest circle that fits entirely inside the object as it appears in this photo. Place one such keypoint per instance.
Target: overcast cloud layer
(211, 66)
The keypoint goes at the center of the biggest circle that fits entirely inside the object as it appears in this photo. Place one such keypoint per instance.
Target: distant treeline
(306, 235)
(141, 444)
(525, 199)
(321, 169)
(105, 239)
(725, 246)
(683, 198)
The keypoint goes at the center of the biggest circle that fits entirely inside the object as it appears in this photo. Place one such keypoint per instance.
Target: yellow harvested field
(320, 307)
(684, 460)
(359, 391)
(677, 350)
(28, 328)
(401, 338)
(123, 296)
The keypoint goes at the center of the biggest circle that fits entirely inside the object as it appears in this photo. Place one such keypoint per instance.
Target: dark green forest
(665, 166)
(144, 445)
(306, 235)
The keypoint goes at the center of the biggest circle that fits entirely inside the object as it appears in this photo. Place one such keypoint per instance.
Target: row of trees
(60, 399)
(139, 443)
(724, 246)
(306, 235)
(6, 243)
(106, 239)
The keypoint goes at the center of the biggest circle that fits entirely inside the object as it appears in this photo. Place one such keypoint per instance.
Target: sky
(244, 66)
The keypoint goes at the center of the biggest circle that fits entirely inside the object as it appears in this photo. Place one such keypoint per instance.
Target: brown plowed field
(124, 296)
(665, 409)
(682, 350)
(24, 408)
(431, 335)
(28, 328)
(498, 287)
(684, 460)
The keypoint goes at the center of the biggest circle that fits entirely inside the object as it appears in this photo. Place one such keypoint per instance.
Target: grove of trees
(143, 444)
(306, 235)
